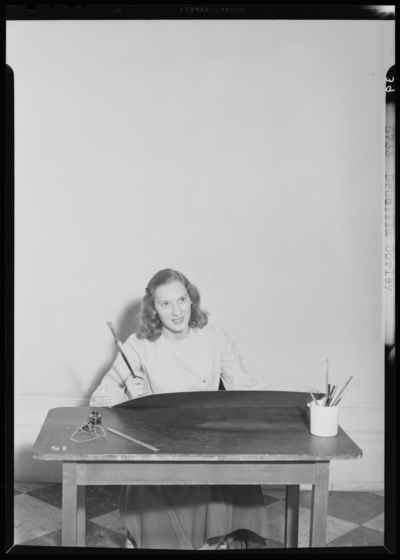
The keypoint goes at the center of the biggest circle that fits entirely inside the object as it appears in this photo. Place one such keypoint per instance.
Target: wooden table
(223, 437)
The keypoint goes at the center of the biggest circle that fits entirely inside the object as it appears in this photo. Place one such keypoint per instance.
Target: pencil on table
(133, 439)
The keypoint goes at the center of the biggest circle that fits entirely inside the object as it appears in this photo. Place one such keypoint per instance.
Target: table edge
(158, 457)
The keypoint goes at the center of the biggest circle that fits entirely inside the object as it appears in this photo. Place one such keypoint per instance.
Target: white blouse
(195, 363)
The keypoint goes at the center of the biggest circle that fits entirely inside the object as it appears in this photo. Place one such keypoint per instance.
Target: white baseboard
(365, 425)
(49, 477)
(358, 486)
(351, 487)
(345, 487)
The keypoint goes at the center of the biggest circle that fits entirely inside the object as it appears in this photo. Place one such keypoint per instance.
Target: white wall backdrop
(246, 154)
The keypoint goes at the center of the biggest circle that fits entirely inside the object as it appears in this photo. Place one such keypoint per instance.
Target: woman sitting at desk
(176, 350)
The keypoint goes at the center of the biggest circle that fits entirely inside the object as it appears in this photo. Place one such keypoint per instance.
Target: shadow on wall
(127, 324)
(129, 321)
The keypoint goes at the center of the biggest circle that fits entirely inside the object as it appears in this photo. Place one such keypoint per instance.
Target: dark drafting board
(211, 399)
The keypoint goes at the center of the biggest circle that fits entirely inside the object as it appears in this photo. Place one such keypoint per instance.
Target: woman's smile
(173, 307)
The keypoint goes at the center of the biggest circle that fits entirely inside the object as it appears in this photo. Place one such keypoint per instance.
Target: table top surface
(252, 426)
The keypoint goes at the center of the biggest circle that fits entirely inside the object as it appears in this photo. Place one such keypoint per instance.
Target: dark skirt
(185, 517)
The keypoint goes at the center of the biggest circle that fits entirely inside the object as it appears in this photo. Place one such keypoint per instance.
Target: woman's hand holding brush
(137, 386)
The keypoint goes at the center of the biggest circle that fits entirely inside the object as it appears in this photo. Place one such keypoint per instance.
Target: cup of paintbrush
(324, 420)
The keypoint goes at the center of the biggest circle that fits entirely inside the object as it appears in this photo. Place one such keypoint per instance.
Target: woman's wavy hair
(149, 323)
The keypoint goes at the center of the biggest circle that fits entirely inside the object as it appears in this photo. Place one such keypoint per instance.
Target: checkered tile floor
(354, 518)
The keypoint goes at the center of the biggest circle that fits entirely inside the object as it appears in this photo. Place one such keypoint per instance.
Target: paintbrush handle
(327, 379)
(338, 400)
(120, 347)
(342, 390)
(111, 327)
(127, 363)
(331, 395)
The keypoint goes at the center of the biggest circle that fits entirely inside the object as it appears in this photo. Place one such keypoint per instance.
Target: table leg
(319, 505)
(81, 516)
(72, 507)
(292, 515)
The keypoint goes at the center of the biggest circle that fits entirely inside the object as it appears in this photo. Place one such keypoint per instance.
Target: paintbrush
(316, 402)
(333, 391)
(337, 398)
(327, 381)
(344, 394)
(120, 347)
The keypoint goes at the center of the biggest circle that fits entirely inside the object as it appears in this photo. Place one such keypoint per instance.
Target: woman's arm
(109, 392)
(233, 372)
(115, 384)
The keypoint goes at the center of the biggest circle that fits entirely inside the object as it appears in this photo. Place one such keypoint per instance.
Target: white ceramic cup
(324, 420)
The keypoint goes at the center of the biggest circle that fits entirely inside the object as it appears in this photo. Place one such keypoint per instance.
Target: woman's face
(173, 307)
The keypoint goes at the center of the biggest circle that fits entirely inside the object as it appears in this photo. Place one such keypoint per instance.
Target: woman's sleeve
(233, 372)
(111, 390)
